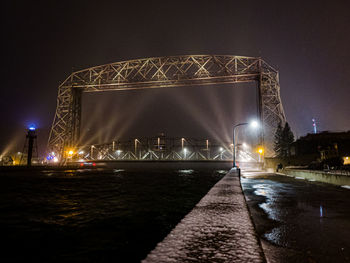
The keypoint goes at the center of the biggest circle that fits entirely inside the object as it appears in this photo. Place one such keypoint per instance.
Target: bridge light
(221, 149)
(261, 151)
(55, 159)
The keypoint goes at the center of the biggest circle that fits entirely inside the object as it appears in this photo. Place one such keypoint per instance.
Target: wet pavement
(299, 220)
(218, 229)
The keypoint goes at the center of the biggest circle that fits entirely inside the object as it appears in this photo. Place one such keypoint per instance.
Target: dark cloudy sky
(44, 41)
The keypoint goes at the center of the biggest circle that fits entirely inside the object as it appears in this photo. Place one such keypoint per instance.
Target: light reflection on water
(272, 192)
(310, 218)
(185, 172)
(118, 170)
(268, 192)
(223, 172)
(278, 235)
(95, 215)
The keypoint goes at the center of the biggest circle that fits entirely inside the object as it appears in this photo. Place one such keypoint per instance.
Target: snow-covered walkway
(218, 229)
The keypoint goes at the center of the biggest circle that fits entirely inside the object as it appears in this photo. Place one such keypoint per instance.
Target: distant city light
(70, 152)
(244, 145)
(55, 159)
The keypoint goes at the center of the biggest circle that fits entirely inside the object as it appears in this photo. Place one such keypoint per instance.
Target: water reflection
(97, 216)
(310, 219)
(185, 171)
(223, 172)
(278, 236)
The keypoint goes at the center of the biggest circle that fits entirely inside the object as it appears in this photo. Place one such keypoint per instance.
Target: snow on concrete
(218, 229)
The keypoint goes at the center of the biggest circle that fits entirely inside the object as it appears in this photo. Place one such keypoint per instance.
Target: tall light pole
(137, 141)
(221, 152)
(92, 151)
(254, 124)
(208, 154)
(182, 143)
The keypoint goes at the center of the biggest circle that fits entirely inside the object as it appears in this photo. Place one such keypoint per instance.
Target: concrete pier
(218, 229)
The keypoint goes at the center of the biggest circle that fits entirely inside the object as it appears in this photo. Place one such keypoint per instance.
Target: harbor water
(99, 215)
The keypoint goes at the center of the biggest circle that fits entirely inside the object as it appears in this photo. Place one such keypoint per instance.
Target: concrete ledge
(218, 229)
(319, 176)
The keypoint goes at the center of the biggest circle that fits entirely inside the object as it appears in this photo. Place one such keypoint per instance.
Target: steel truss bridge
(162, 72)
(165, 148)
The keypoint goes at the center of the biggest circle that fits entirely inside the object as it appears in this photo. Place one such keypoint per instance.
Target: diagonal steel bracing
(164, 72)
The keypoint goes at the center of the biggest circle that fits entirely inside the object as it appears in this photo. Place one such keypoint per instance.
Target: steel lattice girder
(163, 148)
(162, 72)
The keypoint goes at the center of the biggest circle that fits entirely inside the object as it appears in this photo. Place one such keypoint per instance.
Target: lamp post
(137, 141)
(221, 152)
(92, 151)
(254, 124)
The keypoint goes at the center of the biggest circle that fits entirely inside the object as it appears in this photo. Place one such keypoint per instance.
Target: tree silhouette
(284, 137)
(278, 140)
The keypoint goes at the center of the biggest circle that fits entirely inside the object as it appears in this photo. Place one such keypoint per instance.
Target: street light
(260, 151)
(182, 143)
(221, 152)
(137, 141)
(91, 151)
(253, 124)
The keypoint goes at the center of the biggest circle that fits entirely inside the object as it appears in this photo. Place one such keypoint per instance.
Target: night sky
(307, 41)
